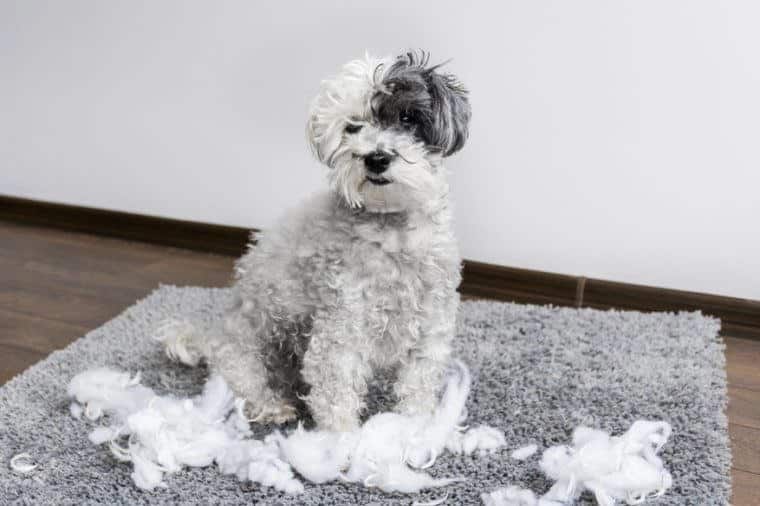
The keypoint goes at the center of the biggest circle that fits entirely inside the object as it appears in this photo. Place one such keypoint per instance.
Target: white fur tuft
(180, 340)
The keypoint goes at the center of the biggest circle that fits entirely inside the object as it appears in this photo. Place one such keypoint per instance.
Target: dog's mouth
(379, 181)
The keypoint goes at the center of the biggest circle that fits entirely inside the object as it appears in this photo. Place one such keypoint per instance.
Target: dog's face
(383, 127)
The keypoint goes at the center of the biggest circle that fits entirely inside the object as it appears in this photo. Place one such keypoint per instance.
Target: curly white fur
(357, 278)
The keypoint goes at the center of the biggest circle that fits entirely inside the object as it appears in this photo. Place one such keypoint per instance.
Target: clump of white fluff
(110, 391)
(524, 452)
(165, 434)
(483, 439)
(510, 496)
(389, 449)
(23, 463)
(612, 468)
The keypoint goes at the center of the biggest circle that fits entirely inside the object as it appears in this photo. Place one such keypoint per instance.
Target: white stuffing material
(434, 502)
(76, 410)
(108, 390)
(484, 439)
(612, 468)
(524, 452)
(165, 434)
(509, 496)
(23, 463)
(621, 467)
(387, 449)
(259, 462)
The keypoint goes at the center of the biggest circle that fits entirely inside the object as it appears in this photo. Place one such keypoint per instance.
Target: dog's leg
(337, 372)
(239, 359)
(420, 377)
(244, 371)
(236, 356)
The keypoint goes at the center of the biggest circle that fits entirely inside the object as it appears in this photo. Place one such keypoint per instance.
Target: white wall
(617, 140)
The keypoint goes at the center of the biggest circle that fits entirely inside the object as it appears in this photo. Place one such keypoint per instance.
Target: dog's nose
(377, 162)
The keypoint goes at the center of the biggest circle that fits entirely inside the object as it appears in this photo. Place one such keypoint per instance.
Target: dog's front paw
(337, 420)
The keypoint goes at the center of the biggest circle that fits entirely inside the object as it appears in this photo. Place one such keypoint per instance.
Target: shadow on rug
(537, 373)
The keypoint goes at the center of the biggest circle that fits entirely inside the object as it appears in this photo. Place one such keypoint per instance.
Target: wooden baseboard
(740, 317)
(221, 239)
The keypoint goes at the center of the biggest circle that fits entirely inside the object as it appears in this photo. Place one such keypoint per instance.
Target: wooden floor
(55, 286)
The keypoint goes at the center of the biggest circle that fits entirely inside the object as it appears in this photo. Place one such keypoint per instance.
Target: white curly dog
(361, 277)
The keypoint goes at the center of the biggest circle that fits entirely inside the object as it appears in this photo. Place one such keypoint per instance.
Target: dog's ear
(322, 141)
(452, 111)
(312, 136)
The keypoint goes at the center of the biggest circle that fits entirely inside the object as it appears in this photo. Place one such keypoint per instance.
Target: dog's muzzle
(378, 161)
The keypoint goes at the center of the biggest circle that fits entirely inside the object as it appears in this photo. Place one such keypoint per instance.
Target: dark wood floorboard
(55, 286)
(743, 364)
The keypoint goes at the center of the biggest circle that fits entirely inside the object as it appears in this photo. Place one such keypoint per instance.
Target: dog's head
(383, 127)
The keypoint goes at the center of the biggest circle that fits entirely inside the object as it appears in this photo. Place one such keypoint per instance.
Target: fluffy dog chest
(395, 276)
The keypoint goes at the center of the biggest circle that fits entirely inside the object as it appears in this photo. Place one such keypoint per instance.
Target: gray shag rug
(538, 372)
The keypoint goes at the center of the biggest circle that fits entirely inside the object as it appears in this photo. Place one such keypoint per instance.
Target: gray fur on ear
(453, 113)
(434, 104)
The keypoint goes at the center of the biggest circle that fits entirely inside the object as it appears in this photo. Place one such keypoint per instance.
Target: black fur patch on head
(433, 107)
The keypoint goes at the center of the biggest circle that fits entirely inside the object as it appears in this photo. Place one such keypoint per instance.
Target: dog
(361, 277)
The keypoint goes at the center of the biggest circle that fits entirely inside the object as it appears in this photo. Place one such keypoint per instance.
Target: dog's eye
(352, 128)
(407, 118)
